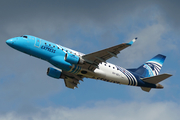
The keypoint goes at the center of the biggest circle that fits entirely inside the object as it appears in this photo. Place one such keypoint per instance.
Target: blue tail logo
(151, 67)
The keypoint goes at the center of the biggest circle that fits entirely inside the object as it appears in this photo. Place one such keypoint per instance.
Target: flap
(71, 80)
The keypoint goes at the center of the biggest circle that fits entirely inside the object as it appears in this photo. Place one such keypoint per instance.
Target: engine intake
(73, 59)
(53, 72)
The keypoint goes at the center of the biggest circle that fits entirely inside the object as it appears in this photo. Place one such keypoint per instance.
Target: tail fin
(151, 67)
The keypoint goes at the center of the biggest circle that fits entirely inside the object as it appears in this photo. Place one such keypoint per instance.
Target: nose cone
(10, 42)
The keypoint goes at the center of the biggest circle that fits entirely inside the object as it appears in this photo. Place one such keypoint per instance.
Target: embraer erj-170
(73, 66)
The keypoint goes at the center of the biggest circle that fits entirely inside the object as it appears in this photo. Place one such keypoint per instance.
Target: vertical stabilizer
(151, 67)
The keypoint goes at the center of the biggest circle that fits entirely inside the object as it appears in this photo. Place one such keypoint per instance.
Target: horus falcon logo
(155, 67)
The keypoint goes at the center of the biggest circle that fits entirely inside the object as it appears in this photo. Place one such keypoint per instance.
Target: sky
(27, 93)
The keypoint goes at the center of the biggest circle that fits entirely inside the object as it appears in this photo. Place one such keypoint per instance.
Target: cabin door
(37, 42)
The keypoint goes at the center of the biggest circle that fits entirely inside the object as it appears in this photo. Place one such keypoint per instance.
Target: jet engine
(73, 59)
(53, 72)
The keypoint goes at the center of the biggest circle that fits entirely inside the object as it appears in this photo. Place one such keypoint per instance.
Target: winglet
(130, 43)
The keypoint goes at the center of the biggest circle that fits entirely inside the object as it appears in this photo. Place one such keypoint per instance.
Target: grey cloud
(99, 12)
(57, 18)
(170, 11)
(23, 80)
(106, 110)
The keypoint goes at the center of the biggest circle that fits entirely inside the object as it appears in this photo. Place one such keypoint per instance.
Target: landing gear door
(37, 42)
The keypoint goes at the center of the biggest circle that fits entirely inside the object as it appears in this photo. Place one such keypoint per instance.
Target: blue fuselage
(41, 49)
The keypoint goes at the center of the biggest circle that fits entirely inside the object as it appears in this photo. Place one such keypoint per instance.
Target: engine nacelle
(73, 59)
(53, 72)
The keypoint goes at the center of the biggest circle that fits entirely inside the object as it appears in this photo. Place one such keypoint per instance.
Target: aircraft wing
(93, 59)
(71, 80)
(69, 83)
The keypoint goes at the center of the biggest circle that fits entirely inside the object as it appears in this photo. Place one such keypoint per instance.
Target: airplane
(73, 66)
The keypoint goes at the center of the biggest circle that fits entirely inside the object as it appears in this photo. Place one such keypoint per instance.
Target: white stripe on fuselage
(112, 74)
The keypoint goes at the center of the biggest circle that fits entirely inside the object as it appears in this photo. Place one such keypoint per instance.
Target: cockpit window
(24, 36)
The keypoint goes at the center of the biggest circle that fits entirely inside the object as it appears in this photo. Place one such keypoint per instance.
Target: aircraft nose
(10, 42)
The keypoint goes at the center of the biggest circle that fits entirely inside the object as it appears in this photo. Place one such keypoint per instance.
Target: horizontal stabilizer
(146, 89)
(156, 79)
